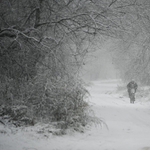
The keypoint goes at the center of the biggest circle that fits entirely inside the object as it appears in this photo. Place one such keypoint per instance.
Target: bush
(52, 100)
(59, 101)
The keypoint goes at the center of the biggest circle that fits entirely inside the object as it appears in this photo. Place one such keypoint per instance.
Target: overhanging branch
(7, 33)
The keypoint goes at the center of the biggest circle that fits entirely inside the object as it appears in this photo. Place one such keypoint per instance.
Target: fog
(99, 63)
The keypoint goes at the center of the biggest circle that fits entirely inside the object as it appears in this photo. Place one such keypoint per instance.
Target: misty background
(99, 64)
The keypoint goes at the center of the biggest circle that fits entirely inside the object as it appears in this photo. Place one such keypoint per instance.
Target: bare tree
(133, 56)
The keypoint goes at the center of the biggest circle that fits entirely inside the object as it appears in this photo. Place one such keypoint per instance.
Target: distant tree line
(132, 54)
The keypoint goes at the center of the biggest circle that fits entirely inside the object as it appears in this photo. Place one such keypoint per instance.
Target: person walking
(132, 87)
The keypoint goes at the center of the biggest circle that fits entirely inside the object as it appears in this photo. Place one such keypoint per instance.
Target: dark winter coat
(132, 85)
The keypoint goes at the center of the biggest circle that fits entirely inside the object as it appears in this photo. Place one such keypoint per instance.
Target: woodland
(44, 45)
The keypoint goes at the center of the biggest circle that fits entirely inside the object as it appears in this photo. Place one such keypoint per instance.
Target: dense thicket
(40, 54)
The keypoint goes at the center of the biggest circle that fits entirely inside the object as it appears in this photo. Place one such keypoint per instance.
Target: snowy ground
(128, 126)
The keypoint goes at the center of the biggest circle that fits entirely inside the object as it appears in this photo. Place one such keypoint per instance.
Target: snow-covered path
(128, 126)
